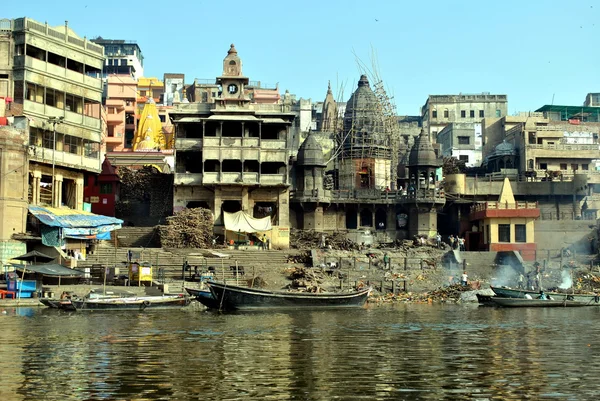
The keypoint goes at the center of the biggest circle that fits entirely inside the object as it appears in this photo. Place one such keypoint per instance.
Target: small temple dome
(310, 153)
(504, 148)
(422, 153)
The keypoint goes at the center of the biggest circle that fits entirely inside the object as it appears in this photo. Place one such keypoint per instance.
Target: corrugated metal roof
(69, 218)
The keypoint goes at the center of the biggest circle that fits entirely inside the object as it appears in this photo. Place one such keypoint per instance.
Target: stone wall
(557, 234)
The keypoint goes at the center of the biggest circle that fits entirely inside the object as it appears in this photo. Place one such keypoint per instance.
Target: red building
(102, 191)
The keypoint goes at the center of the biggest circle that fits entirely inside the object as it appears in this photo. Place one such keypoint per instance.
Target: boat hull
(133, 303)
(240, 298)
(534, 303)
(205, 297)
(557, 296)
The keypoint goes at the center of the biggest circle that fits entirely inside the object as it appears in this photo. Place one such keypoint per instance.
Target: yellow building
(505, 225)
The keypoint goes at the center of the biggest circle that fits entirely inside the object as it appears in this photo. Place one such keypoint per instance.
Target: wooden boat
(132, 303)
(505, 292)
(535, 303)
(232, 297)
(205, 297)
(485, 300)
(96, 293)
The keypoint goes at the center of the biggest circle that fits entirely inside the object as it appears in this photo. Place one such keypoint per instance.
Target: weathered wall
(557, 234)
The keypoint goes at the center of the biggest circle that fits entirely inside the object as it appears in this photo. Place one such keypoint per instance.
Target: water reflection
(379, 353)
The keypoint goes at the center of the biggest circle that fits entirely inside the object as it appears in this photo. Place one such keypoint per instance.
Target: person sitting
(542, 296)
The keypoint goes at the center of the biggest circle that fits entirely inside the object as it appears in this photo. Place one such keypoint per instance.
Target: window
(503, 232)
(498, 113)
(48, 140)
(91, 149)
(434, 114)
(463, 114)
(584, 167)
(543, 166)
(472, 114)
(563, 166)
(446, 113)
(520, 233)
(464, 140)
(481, 113)
(71, 144)
(106, 188)
(142, 93)
(464, 158)
(574, 167)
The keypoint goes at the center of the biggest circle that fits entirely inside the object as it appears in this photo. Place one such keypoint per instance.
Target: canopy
(34, 256)
(70, 223)
(243, 222)
(50, 270)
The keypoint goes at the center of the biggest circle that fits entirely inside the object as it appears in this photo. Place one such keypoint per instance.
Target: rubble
(188, 228)
(310, 239)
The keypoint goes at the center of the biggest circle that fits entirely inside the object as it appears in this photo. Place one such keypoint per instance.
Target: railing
(565, 146)
(188, 179)
(188, 144)
(64, 158)
(39, 65)
(503, 206)
(434, 195)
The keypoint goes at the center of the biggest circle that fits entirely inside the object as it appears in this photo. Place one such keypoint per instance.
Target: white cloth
(245, 223)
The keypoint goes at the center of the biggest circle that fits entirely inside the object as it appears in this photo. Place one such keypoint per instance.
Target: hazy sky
(533, 51)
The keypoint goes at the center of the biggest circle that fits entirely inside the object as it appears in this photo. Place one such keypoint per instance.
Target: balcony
(115, 140)
(114, 119)
(78, 162)
(118, 103)
(188, 144)
(188, 179)
(504, 210)
(272, 179)
(38, 66)
(70, 117)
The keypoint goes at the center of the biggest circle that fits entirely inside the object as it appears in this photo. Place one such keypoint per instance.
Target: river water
(400, 352)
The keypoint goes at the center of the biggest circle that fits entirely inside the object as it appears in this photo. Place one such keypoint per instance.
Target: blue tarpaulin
(69, 223)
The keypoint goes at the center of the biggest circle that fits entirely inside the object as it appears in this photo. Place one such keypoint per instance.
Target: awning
(243, 222)
(75, 223)
(275, 121)
(223, 117)
(50, 270)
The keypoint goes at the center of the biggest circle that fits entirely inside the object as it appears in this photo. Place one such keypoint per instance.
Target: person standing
(451, 240)
(464, 279)
(386, 261)
(438, 240)
(521, 281)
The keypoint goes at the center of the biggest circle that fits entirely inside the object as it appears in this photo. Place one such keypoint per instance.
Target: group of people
(531, 280)
(457, 243)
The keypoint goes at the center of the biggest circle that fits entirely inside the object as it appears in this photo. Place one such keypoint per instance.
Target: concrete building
(56, 85)
(121, 108)
(441, 110)
(592, 100)
(232, 155)
(123, 57)
(462, 141)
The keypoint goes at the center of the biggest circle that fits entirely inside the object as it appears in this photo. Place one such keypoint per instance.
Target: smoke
(566, 280)
(505, 275)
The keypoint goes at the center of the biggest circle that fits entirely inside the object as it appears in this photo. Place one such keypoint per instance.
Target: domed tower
(424, 197)
(310, 168)
(365, 162)
(310, 165)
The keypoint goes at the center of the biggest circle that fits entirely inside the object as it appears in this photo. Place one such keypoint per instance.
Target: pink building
(121, 99)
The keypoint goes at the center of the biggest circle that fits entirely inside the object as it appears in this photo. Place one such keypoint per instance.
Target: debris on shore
(188, 228)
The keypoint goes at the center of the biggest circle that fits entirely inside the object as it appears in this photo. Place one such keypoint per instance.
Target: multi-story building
(461, 141)
(123, 57)
(121, 108)
(232, 155)
(55, 83)
(592, 100)
(441, 110)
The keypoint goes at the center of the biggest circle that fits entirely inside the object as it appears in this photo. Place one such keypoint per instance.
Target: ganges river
(400, 352)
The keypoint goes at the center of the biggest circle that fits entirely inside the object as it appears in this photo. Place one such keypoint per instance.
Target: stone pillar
(79, 193)
(57, 190)
(244, 199)
(390, 223)
(218, 201)
(283, 208)
(37, 178)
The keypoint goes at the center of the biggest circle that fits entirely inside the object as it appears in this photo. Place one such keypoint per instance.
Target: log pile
(304, 258)
(310, 239)
(189, 228)
(305, 280)
(448, 294)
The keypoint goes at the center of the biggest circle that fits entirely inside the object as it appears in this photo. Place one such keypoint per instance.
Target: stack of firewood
(189, 228)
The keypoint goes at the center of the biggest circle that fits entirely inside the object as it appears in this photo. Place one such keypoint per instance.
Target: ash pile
(306, 279)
